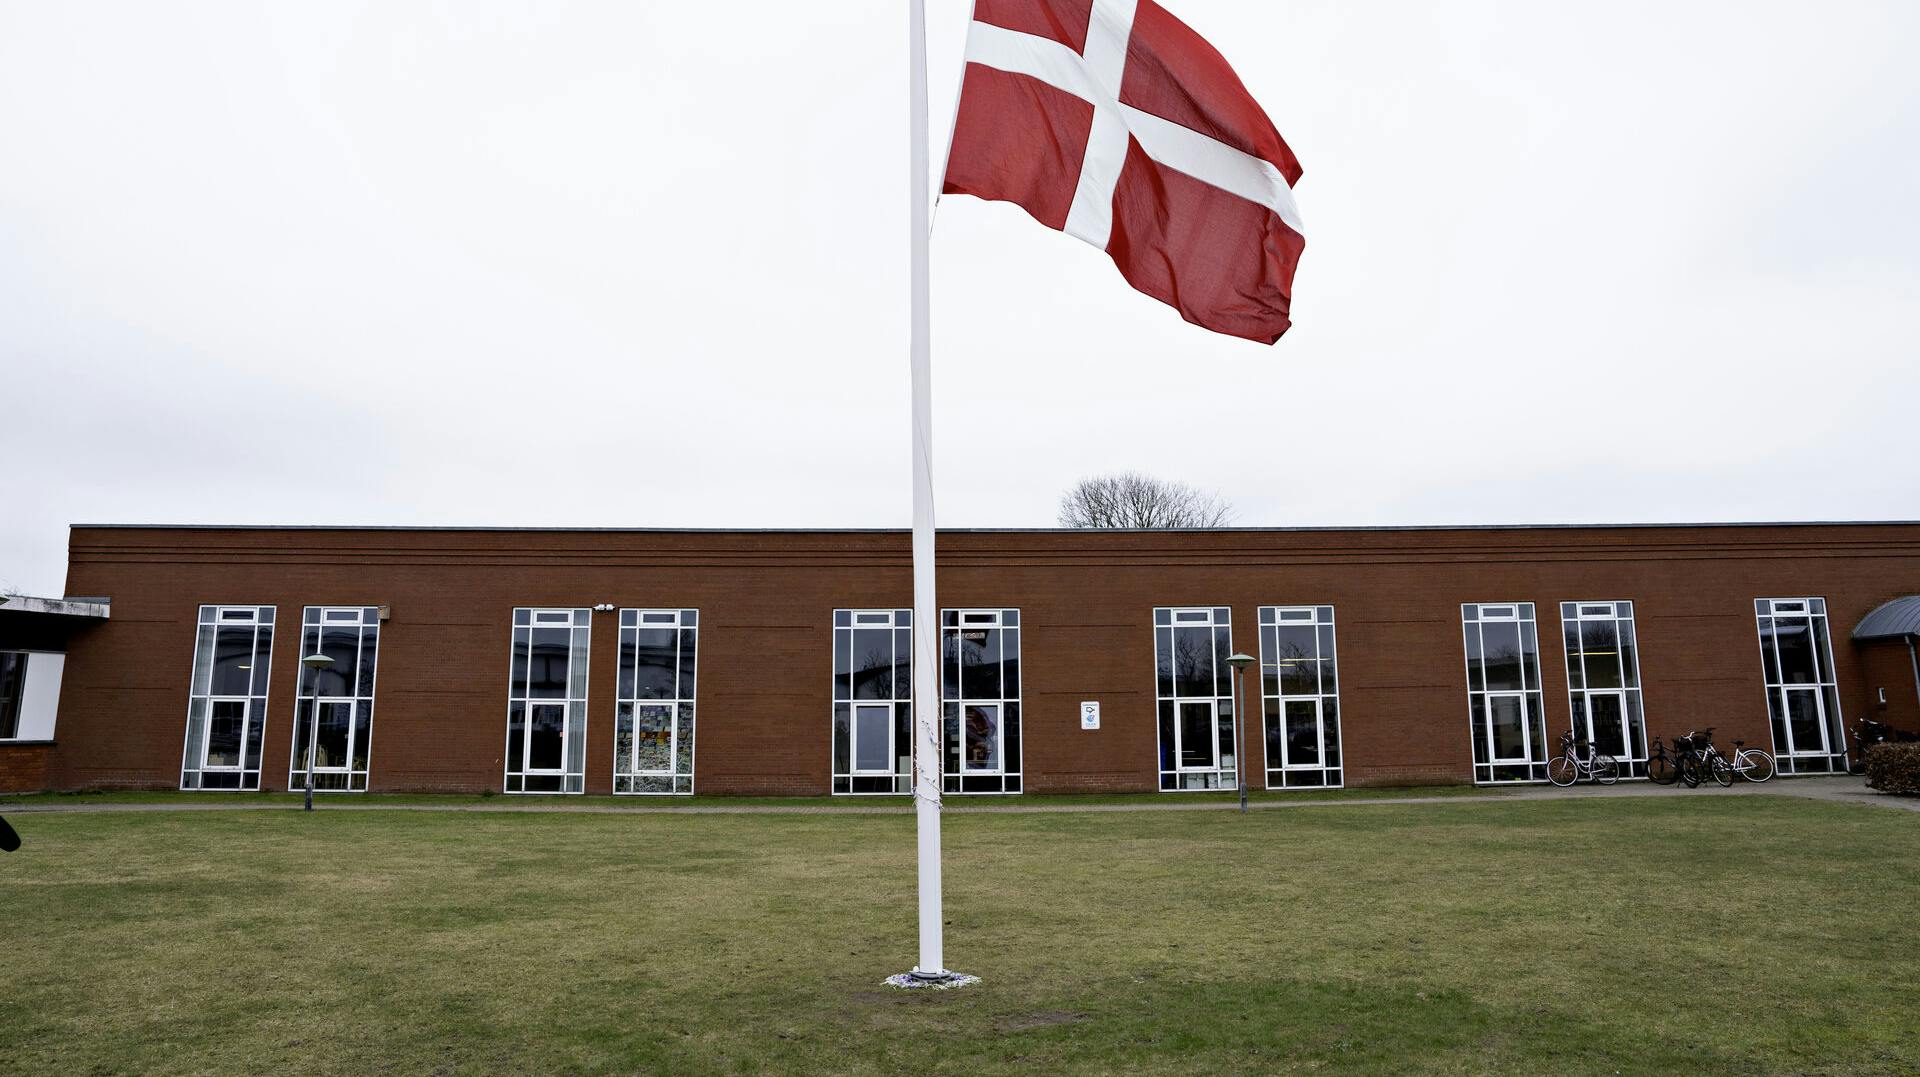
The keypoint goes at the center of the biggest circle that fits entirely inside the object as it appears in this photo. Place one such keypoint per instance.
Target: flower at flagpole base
(939, 981)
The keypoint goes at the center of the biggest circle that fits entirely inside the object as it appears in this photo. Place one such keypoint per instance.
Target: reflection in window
(13, 688)
(227, 708)
(653, 719)
(1603, 681)
(1301, 694)
(872, 701)
(1194, 696)
(547, 701)
(980, 694)
(335, 707)
(1503, 692)
(1803, 698)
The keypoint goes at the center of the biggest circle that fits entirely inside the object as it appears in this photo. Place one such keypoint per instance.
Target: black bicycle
(1662, 767)
(1700, 761)
(1869, 733)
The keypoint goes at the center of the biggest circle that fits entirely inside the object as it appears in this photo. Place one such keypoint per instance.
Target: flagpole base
(938, 981)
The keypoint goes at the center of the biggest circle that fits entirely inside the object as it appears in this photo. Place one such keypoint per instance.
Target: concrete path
(1844, 790)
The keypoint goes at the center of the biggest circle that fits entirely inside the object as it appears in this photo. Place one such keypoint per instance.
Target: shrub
(1894, 768)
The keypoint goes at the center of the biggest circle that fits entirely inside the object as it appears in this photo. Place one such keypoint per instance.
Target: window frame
(684, 619)
(572, 771)
(1223, 775)
(847, 782)
(255, 706)
(1825, 689)
(1531, 693)
(1008, 779)
(1332, 776)
(1633, 705)
(365, 618)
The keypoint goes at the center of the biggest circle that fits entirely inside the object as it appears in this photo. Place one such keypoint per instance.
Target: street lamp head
(1240, 661)
(316, 661)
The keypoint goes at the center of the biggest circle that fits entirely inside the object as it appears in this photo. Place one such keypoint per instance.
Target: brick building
(777, 662)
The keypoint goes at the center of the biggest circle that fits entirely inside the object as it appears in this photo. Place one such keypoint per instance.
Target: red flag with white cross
(1112, 121)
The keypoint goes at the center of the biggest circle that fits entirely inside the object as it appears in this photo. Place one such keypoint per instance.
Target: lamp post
(318, 663)
(1240, 662)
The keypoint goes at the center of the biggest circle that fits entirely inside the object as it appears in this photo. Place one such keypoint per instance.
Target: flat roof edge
(997, 530)
(97, 608)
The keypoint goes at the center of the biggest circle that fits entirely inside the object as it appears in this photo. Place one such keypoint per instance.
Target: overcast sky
(639, 264)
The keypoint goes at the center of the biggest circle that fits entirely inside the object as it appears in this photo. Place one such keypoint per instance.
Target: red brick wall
(1086, 600)
(1887, 665)
(25, 767)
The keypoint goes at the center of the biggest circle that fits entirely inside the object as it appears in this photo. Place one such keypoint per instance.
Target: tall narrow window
(227, 707)
(1803, 698)
(1603, 681)
(1194, 697)
(547, 701)
(1503, 692)
(334, 710)
(653, 712)
(13, 689)
(872, 701)
(980, 693)
(1301, 693)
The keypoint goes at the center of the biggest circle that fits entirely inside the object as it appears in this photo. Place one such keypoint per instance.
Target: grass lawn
(1739, 934)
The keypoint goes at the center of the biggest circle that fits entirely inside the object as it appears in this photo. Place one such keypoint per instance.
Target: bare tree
(1130, 499)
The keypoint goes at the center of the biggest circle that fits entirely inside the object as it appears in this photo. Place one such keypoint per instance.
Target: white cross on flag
(1112, 121)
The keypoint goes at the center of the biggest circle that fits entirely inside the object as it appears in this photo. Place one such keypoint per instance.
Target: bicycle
(1662, 768)
(1700, 760)
(1571, 765)
(1750, 764)
(1868, 733)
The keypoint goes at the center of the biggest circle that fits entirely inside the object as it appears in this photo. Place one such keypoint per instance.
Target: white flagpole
(926, 625)
(932, 968)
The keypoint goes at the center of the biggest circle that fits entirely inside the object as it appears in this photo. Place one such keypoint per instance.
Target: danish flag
(1112, 121)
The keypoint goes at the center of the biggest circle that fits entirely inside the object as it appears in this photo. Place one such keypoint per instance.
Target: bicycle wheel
(1561, 771)
(1661, 771)
(1690, 772)
(1754, 765)
(1720, 769)
(1606, 769)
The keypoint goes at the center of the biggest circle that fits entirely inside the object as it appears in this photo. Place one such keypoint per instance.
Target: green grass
(1747, 935)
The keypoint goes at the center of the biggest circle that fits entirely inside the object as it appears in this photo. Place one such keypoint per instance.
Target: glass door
(329, 723)
(980, 753)
(1806, 723)
(873, 738)
(1196, 738)
(655, 743)
(1507, 727)
(226, 735)
(1605, 725)
(546, 739)
(1304, 735)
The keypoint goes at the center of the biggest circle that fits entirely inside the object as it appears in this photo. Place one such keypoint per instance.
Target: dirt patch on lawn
(1024, 1022)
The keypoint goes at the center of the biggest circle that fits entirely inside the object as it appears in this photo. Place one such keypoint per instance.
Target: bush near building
(1894, 768)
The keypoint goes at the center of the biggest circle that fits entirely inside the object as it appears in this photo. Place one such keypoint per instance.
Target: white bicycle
(1752, 764)
(1578, 760)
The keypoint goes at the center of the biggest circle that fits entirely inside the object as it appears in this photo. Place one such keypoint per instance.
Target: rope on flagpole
(953, 121)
